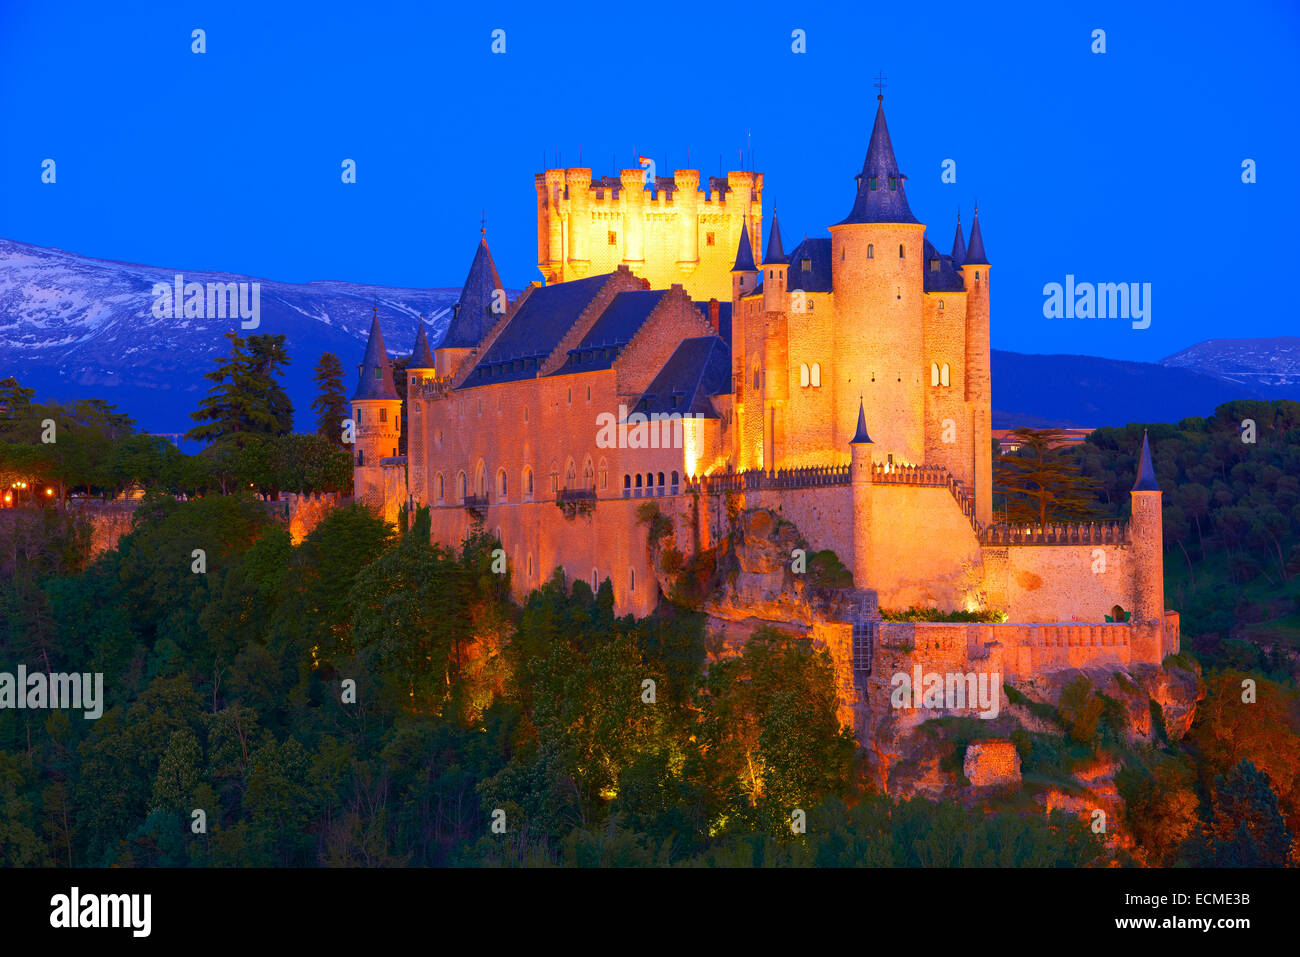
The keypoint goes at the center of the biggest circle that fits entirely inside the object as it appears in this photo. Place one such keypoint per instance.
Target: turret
(1147, 532)
(876, 269)
(774, 271)
(420, 367)
(744, 274)
(577, 183)
(376, 407)
(975, 273)
(687, 200)
(958, 244)
(632, 199)
(860, 452)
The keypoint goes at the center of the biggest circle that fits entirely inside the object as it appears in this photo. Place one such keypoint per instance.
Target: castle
(845, 385)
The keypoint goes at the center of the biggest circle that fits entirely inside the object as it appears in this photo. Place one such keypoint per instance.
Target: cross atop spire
(482, 222)
(880, 85)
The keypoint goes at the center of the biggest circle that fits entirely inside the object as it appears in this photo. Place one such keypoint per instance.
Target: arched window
(480, 480)
(627, 485)
(675, 482)
(460, 487)
(438, 484)
(502, 489)
(528, 484)
(661, 483)
(934, 373)
(570, 474)
(871, 250)
(604, 474)
(756, 378)
(803, 375)
(941, 305)
(816, 377)
(595, 580)
(638, 484)
(588, 475)
(943, 375)
(555, 477)
(901, 253)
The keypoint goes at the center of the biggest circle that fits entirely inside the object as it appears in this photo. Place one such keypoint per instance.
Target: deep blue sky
(1117, 167)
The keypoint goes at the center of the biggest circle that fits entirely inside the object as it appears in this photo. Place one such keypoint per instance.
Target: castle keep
(844, 384)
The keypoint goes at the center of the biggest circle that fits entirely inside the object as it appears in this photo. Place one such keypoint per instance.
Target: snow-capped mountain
(1269, 365)
(74, 327)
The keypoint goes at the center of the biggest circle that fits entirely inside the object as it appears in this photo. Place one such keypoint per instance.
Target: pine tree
(1039, 483)
(330, 405)
(245, 399)
(267, 357)
(1247, 829)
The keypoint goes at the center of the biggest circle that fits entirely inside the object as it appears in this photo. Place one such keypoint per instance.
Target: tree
(245, 398)
(1039, 482)
(1247, 829)
(266, 358)
(330, 405)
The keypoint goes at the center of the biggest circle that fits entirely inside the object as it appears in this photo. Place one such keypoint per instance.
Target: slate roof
(975, 251)
(534, 331)
(698, 368)
(958, 245)
(1146, 477)
(860, 437)
(744, 253)
(882, 204)
(421, 357)
(369, 384)
(947, 278)
(472, 317)
(816, 278)
(620, 321)
(775, 255)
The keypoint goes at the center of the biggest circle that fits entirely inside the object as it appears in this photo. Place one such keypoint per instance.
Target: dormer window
(805, 265)
(934, 265)
(893, 182)
(871, 182)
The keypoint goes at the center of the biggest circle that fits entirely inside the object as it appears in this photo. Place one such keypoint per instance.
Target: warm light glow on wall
(692, 439)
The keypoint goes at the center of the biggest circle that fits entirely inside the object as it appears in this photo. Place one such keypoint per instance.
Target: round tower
(774, 271)
(376, 408)
(1147, 529)
(686, 199)
(975, 273)
(632, 199)
(578, 184)
(860, 449)
(876, 263)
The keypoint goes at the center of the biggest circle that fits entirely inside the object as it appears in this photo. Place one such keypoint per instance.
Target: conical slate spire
(975, 252)
(958, 244)
(472, 316)
(745, 254)
(775, 255)
(880, 196)
(376, 376)
(421, 357)
(1146, 477)
(860, 437)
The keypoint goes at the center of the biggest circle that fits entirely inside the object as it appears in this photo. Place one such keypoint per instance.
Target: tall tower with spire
(376, 416)
(744, 280)
(876, 262)
(979, 389)
(1148, 541)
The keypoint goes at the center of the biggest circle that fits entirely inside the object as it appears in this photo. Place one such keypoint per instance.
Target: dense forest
(369, 698)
